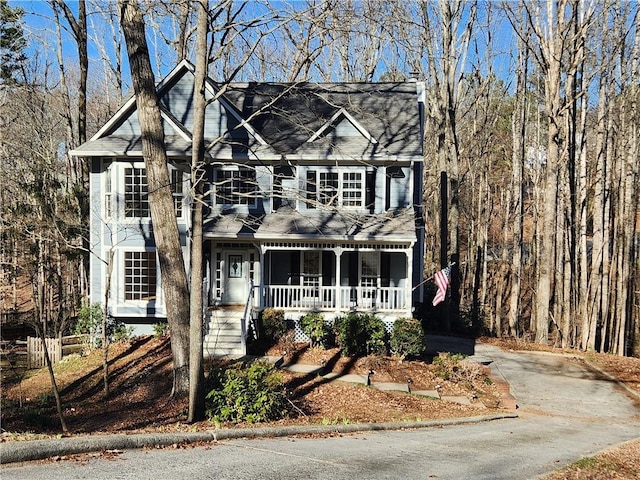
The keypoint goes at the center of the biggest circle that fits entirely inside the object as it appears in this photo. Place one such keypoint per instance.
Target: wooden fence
(36, 352)
(29, 354)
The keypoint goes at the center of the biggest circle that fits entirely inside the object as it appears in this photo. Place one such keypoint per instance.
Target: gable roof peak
(333, 122)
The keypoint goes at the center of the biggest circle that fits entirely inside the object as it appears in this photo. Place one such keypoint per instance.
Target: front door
(235, 278)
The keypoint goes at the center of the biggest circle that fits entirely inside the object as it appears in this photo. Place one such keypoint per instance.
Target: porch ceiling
(393, 226)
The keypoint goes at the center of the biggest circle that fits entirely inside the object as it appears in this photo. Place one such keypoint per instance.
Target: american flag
(442, 279)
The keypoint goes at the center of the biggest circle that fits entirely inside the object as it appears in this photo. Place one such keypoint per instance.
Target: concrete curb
(12, 452)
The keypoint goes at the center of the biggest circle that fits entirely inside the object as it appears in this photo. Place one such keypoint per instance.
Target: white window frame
(250, 196)
(107, 188)
(344, 195)
(311, 279)
(354, 194)
(177, 191)
(176, 178)
(327, 193)
(369, 279)
(139, 191)
(137, 276)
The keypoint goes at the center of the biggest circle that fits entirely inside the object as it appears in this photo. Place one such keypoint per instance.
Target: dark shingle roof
(381, 119)
(289, 114)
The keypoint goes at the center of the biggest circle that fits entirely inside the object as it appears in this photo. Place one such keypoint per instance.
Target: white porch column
(261, 280)
(338, 254)
(213, 272)
(409, 290)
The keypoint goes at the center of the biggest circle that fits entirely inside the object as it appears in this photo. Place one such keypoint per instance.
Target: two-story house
(313, 202)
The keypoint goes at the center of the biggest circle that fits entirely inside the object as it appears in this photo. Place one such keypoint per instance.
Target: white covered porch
(336, 277)
(323, 261)
(300, 276)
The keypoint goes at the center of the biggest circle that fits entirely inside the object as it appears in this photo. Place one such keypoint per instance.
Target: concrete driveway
(565, 412)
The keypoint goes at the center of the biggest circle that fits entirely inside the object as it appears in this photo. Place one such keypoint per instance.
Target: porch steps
(223, 332)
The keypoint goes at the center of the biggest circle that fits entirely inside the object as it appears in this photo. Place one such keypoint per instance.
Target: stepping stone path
(508, 401)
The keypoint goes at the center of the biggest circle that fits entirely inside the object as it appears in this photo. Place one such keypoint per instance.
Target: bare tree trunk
(54, 384)
(165, 226)
(547, 236)
(447, 51)
(105, 318)
(596, 274)
(79, 30)
(184, 7)
(518, 128)
(196, 371)
(549, 28)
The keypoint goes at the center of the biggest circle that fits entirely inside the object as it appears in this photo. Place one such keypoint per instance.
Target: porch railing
(335, 298)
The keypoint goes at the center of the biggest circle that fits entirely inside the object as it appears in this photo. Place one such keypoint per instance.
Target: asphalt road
(565, 412)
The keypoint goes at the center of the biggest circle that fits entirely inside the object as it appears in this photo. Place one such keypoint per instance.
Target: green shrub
(408, 338)
(452, 367)
(273, 323)
(361, 334)
(160, 329)
(122, 333)
(350, 334)
(89, 323)
(245, 394)
(318, 331)
(446, 365)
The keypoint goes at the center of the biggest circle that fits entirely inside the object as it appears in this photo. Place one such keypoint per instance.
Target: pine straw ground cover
(140, 384)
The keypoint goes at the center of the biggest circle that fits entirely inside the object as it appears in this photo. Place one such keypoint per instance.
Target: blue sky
(39, 25)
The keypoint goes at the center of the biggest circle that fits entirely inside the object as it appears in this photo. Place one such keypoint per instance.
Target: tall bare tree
(196, 370)
(448, 26)
(78, 27)
(165, 226)
(518, 126)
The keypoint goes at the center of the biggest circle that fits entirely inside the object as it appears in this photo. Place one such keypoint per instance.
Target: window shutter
(276, 198)
(311, 189)
(370, 191)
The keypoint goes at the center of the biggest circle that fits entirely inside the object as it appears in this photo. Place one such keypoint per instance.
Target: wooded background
(532, 121)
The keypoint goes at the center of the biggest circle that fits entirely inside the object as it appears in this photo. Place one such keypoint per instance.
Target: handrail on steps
(243, 324)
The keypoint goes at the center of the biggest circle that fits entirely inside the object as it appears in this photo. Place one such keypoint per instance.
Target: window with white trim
(108, 192)
(136, 193)
(140, 282)
(311, 268)
(328, 186)
(235, 187)
(352, 189)
(177, 191)
(336, 188)
(369, 268)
